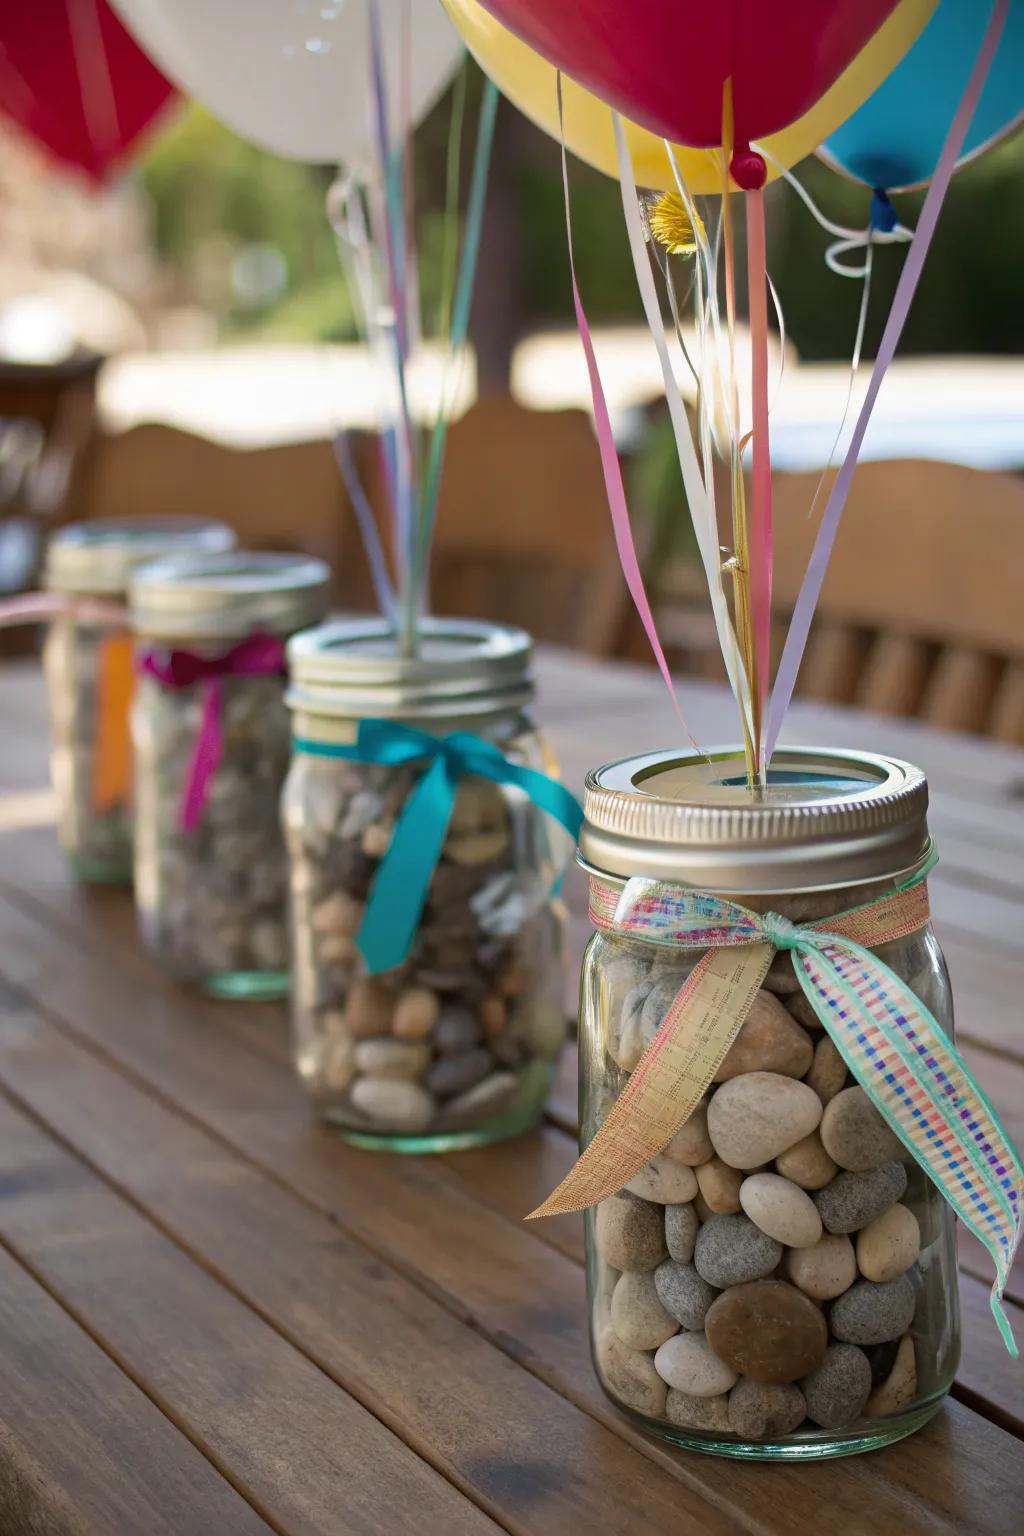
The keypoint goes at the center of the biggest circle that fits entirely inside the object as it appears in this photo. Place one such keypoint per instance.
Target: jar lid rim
(228, 593)
(100, 555)
(826, 818)
(354, 668)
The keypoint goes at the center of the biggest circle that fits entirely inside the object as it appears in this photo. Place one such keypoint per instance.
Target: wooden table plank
(81, 1448)
(259, 1409)
(534, 1461)
(190, 1111)
(519, 1292)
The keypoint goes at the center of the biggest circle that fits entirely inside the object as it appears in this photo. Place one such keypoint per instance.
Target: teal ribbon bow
(400, 887)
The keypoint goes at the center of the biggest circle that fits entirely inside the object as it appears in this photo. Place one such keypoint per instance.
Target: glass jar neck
(496, 725)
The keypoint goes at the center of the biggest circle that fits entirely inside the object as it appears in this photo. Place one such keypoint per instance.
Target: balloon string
(858, 345)
(401, 449)
(406, 169)
(368, 530)
(700, 489)
(800, 624)
(612, 470)
(847, 239)
(780, 320)
(739, 562)
(461, 303)
(761, 535)
(453, 165)
(698, 499)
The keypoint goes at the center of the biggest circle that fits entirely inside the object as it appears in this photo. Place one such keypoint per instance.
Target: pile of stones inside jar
(468, 1028)
(761, 1276)
(213, 900)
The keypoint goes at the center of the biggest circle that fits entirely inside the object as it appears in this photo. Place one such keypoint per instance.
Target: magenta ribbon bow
(260, 655)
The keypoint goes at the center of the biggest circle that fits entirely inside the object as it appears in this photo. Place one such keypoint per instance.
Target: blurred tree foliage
(213, 195)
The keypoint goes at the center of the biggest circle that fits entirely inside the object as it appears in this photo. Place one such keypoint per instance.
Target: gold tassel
(672, 226)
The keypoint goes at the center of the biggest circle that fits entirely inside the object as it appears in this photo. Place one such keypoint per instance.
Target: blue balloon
(894, 140)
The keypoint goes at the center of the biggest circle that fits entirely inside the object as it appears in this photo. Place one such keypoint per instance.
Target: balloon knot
(748, 170)
(671, 225)
(883, 215)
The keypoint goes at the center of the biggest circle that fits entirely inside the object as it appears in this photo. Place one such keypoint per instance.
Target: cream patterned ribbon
(891, 1043)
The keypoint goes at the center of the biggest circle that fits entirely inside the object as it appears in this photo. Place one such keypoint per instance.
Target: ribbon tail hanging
(206, 756)
(402, 882)
(923, 1088)
(671, 1078)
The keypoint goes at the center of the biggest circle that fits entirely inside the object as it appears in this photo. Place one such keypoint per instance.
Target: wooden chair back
(47, 438)
(523, 534)
(285, 497)
(921, 612)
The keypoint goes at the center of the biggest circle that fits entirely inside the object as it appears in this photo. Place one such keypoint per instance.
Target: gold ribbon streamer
(677, 1068)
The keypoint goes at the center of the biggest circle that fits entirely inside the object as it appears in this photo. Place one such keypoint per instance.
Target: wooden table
(217, 1318)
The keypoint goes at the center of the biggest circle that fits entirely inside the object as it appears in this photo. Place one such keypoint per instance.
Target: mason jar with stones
(212, 746)
(780, 1280)
(454, 1042)
(87, 663)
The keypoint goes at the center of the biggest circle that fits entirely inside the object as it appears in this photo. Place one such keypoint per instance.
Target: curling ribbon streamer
(810, 590)
(614, 488)
(400, 888)
(697, 496)
(761, 510)
(260, 655)
(889, 1040)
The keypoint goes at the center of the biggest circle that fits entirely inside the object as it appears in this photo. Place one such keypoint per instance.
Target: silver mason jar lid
(214, 597)
(826, 819)
(97, 558)
(352, 670)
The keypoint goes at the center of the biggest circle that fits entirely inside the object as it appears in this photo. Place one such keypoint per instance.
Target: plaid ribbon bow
(891, 1043)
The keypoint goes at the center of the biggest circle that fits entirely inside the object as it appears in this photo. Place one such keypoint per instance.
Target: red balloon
(664, 63)
(73, 78)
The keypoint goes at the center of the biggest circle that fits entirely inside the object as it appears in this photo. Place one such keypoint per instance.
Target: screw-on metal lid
(825, 819)
(227, 596)
(352, 670)
(97, 558)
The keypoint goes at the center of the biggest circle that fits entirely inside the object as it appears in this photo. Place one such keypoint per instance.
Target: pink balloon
(664, 63)
(73, 78)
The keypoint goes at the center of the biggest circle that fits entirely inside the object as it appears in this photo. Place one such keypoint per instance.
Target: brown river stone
(768, 1330)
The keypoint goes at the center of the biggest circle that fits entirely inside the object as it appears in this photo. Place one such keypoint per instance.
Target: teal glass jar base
(502, 1128)
(818, 1445)
(93, 871)
(520, 1114)
(248, 986)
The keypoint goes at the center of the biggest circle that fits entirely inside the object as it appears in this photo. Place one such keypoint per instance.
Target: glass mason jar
(684, 1286)
(457, 1045)
(88, 669)
(212, 746)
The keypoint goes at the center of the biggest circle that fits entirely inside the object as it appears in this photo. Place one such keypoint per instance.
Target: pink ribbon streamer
(612, 470)
(800, 624)
(41, 607)
(761, 507)
(260, 655)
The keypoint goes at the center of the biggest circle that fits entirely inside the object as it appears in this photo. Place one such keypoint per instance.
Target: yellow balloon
(528, 80)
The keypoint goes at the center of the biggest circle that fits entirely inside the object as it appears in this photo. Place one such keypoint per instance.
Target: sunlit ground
(968, 409)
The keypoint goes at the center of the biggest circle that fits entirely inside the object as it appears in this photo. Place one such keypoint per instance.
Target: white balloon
(295, 76)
